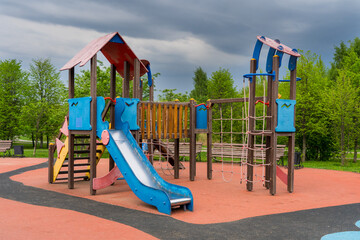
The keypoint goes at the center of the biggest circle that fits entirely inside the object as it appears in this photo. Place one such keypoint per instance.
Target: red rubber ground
(215, 201)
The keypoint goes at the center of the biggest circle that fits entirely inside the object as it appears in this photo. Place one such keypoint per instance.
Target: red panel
(281, 175)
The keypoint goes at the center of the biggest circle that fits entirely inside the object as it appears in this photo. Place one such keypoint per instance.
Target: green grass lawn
(331, 165)
(334, 165)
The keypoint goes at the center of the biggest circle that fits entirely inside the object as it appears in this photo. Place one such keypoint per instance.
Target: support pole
(93, 78)
(250, 157)
(209, 140)
(51, 163)
(126, 80)
(71, 136)
(273, 125)
(176, 157)
(268, 128)
(112, 107)
(136, 93)
(192, 141)
(291, 145)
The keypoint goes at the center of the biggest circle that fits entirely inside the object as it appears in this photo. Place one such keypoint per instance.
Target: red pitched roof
(114, 49)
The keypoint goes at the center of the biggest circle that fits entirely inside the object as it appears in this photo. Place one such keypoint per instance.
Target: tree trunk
(41, 141)
(342, 140)
(47, 141)
(355, 150)
(35, 145)
(32, 139)
(303, 154)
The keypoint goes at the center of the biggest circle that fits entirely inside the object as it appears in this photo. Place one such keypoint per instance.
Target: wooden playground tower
(124, 61)
(175, 120)
(273, 128)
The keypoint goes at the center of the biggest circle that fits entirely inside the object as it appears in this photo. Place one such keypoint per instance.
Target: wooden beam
(126, 80)
(51, 163)
(71, 136)
(93, 90)
(192, 141)
(273, 144)
(250, 157)
(136, 93)
(112, 106)
(176, 157)
(291, 143)
(209, 141)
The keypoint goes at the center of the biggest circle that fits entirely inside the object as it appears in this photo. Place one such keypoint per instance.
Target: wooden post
(71, 136)
(51, 163)
(192, 140)
(250, 157)
(268, 128)
(273, 151)
(176, 157)
(136, 93)
(112, 107)
(126, 81)
(291, 145)
(209, 140)
(151, 92)
(93, 78)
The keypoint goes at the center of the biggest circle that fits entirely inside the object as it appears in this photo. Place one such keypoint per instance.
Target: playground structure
(151, 122)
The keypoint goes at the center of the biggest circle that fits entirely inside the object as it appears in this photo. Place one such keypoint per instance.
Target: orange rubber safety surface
(215, 201)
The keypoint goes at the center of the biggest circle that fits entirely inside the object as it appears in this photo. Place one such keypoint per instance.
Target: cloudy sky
(175, 36)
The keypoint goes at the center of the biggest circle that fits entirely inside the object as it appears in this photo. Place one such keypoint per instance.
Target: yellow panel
(61, 158)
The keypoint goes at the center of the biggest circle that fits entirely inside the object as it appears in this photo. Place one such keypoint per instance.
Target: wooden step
(80, 158)
(77, 165)
(86, 144)
(76, 171)
(85, 151)
(82, 137)
(86, 178)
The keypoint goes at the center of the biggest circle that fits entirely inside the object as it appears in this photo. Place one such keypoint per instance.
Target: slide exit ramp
(140, 175)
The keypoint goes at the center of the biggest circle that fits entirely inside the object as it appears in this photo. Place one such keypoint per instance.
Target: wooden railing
(164, 120)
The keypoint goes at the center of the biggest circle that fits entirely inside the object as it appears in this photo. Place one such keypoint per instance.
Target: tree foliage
(12, 81)
(45, 106)
(200, 91)
(168, 95)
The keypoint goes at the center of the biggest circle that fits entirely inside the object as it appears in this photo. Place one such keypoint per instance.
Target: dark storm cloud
(227, 27)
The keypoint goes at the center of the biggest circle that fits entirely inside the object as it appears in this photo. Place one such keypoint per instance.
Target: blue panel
(269, 61)
(256, 53)
(79, 113)
(126, 110)
(116, 39)
(150, 82)
(285, 115)
(201, 117)
(292, 63)
(100, 124)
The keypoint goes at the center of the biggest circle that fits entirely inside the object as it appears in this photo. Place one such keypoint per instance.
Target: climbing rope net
(231, 135)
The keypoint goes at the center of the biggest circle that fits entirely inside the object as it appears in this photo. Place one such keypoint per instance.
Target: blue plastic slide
(141, 176)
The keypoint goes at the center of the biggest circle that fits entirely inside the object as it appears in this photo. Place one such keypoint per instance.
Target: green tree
(342, 98)
(168, 95)
(313, 126)
(200, 91)
(12, 80)
(221, 85)
(346, 58)
(82, 82)
(45, 106)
